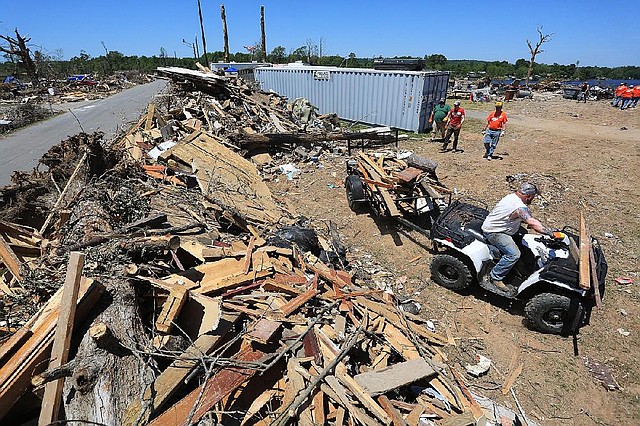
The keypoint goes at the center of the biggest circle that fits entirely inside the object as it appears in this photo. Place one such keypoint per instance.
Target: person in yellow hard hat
(495, 127)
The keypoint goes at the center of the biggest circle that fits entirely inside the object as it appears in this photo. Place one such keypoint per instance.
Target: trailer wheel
(554, 313)
(450, 272)
(355, 193)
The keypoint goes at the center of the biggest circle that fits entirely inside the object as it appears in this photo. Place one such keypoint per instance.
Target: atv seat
(474, 228)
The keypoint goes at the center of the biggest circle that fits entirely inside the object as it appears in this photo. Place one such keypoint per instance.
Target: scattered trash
(623, 280)
(623, 332)
(482, 366)
(290, 170)
(608, 234)
(602, 373)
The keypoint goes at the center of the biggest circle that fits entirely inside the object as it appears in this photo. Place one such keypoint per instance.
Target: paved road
(21, 150)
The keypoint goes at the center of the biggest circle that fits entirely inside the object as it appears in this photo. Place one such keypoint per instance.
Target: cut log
(394, 376)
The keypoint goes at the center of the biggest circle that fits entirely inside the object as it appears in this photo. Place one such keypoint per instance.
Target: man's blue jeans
(491, 138)
(510, 254)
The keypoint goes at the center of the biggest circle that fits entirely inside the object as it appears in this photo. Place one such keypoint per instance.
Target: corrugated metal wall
(400, 99)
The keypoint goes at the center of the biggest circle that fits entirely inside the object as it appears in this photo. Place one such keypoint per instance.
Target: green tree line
(52, 67)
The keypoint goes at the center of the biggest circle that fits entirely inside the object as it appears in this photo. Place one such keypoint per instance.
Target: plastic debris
(480, 368)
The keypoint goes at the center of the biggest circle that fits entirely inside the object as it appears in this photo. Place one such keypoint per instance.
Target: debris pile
(180, 291)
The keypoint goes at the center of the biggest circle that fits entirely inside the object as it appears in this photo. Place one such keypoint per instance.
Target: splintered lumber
(298, 301)
(290, 411)
(394, 376)
(464, 419)
(228, 178)
(170, 380)
(225, 273)
(171, 308)
(62, 338)
(473, 405)
(15, 374)
(13, 343)
(263, 330)
(341, 373)
(221, 384)
(10, 259)
(584, 279)
(396, 417)
(511, 379)
(149, 119)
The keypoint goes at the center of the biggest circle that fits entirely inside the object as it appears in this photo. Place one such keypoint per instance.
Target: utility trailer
(406, 190)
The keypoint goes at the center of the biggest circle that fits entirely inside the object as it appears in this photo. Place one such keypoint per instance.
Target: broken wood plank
(13, 343)
(170, 380)
(10, 259)
(171, 308)
(15, 374)
(396, 417)
(150, 113)
(298, 301)
(584, 277)
(202, 399)
(62, 339)
(394, 376)
(263, 330)
(511, 378)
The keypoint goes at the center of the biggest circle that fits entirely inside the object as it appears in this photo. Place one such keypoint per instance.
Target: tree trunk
(224, 33)
(264, 37)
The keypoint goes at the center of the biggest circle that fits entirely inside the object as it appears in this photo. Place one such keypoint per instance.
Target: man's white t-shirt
(498, 220)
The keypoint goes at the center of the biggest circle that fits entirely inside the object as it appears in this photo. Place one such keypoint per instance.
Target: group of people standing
(626, 96)
(448, 122)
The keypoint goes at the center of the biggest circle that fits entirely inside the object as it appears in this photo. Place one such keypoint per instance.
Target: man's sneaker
(489, 157)
(486, 154)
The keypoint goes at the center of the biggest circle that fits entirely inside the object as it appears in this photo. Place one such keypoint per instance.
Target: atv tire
(450, 272)
(355, 193)
(554, 313)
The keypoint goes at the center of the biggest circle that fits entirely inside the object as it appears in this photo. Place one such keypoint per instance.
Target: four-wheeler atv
(545, 278)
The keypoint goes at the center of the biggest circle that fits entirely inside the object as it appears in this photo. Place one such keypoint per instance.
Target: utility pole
(204, 41)
(264, 38)
(197, 48)
(224, 33)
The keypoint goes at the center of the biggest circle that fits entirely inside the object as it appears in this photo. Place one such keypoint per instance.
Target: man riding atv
(502, 223)
(541, 270)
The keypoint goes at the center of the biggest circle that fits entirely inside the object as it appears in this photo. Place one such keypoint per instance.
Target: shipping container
(399, 99)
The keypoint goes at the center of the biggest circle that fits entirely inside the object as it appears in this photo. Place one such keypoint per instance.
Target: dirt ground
(579, 155)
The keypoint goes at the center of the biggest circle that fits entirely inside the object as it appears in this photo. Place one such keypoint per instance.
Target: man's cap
(456, 103)
(528, 189)
(498, 104)
(441, 101)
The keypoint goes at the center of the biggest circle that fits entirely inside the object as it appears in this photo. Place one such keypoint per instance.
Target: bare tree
(225, 34)
(17, 48)
(264, 37)
(312, 50)
(204, 40)
(542, 38)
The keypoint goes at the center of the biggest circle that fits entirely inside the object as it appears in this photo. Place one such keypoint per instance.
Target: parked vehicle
(545, 278)
(82, 79)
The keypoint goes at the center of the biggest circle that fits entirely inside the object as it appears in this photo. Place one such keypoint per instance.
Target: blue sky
(594, 33)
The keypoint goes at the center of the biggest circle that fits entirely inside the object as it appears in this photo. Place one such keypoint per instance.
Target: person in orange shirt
(627, 97)
(619, 91)
(636, 95)
(495, 127)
